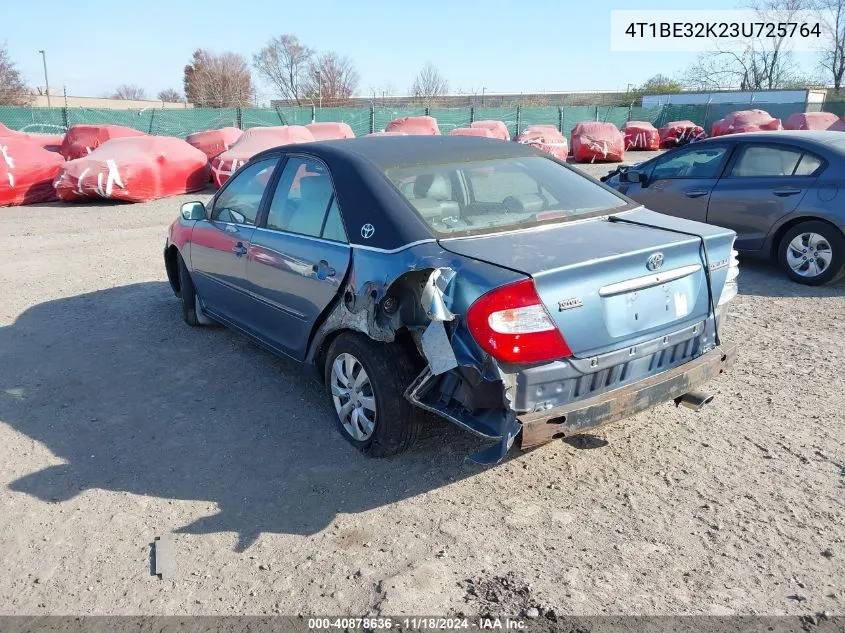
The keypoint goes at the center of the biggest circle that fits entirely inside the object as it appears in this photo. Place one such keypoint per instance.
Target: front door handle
(786, 191)
(323, 269)
(239, 249)
(696, 193)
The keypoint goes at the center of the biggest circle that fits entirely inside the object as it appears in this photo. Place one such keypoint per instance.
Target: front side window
(701, 162)
(762, 161)
(301, 201)
(479, 196)
(240, 201)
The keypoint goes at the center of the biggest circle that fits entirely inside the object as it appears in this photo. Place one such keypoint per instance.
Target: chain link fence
(364, 120)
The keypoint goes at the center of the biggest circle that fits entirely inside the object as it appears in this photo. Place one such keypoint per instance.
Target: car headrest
(315, 190)
(433, 186)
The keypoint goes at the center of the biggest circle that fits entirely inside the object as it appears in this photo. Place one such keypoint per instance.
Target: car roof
(396, 151)
(830, 139)
(367, 197)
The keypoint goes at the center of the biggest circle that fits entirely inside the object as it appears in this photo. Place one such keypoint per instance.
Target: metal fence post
(426, 110)
(65, 117)
(518, 114)
(313, 114)
(597, 113)
(240, 118)
(560, 119)
(471, 116)
(372, 119)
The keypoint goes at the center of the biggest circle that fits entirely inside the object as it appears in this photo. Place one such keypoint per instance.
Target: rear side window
(766, 161)
(475, 197)
(301, 201)
(239, 202)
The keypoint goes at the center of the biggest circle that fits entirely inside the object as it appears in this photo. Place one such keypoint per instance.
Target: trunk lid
(595, 279)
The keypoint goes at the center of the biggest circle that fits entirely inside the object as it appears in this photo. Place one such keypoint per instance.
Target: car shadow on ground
(131, 399)
(765, 279)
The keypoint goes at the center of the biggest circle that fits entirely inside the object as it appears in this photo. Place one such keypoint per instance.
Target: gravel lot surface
(118, 423)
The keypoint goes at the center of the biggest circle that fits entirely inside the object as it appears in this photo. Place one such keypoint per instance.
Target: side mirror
(635, 176)
(193, 211)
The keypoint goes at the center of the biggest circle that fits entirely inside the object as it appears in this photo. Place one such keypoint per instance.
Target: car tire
(393, 424)
(191, 311)
(811, 240)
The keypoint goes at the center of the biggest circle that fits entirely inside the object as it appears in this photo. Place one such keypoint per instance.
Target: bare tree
(429, 84)
(218, 80)
(171, 96)
(13, 90)
(284, 62)
(331, 79)
(833, 29)
(130, 92)
(758, 65)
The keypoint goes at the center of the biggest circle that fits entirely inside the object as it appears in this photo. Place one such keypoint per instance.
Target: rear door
(220, 244)
(680, 183)
(763, 183)
(298, 256)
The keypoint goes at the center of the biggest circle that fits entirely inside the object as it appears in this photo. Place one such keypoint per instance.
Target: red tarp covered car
(473, 131)
(499, 129)
(51, 142)
(641, 135)
(545, 138)
(745, 121)
(839, 126)
(677, 133)
(810, 121)
(330, 130)
(596, 141)
(81, 140)
(134, 169)
(212, 142)
(27, 171)
(253, 141)
(415, 125)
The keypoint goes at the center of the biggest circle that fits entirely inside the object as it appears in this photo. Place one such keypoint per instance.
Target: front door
(219, 245)
(763, 183)
(298, 256)
(681, 182)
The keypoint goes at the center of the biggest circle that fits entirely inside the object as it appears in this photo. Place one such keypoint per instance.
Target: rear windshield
(479, 196)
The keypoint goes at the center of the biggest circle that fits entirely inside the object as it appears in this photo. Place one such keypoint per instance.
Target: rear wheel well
(171, 265)
(404, 339)
(773, 252)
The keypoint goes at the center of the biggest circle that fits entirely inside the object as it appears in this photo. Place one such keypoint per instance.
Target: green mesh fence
(181, 122)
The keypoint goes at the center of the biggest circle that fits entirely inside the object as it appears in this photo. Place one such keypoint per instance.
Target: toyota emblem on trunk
(654, 261)
(367, 231)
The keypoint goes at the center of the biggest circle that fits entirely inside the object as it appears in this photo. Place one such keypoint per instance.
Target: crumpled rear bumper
(543, 426)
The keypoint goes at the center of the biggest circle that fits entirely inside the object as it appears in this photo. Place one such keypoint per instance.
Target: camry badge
(568, 304)
(655, 261)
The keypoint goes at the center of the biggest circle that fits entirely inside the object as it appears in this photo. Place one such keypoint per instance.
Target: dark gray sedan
(782, 192)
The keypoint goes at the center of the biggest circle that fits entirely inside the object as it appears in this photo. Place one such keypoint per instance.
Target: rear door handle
(786, 191)
(323, 269)
(239, 249)
(696, 193)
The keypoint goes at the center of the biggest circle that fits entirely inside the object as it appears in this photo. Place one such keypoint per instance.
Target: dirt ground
(119, 423)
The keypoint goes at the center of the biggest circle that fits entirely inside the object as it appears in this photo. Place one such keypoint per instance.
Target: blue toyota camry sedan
(481, 281)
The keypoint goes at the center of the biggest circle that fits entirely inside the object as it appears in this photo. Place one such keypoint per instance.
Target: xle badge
(568, 304)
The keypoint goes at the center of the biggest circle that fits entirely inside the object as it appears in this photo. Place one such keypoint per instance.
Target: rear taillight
(513, 326)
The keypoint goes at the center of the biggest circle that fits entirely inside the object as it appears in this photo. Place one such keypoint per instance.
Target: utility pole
(46, 81)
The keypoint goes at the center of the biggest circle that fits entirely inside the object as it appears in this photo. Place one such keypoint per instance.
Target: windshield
(473, 197)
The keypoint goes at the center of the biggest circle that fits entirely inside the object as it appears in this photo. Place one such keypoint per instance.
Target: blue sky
(503, 46)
